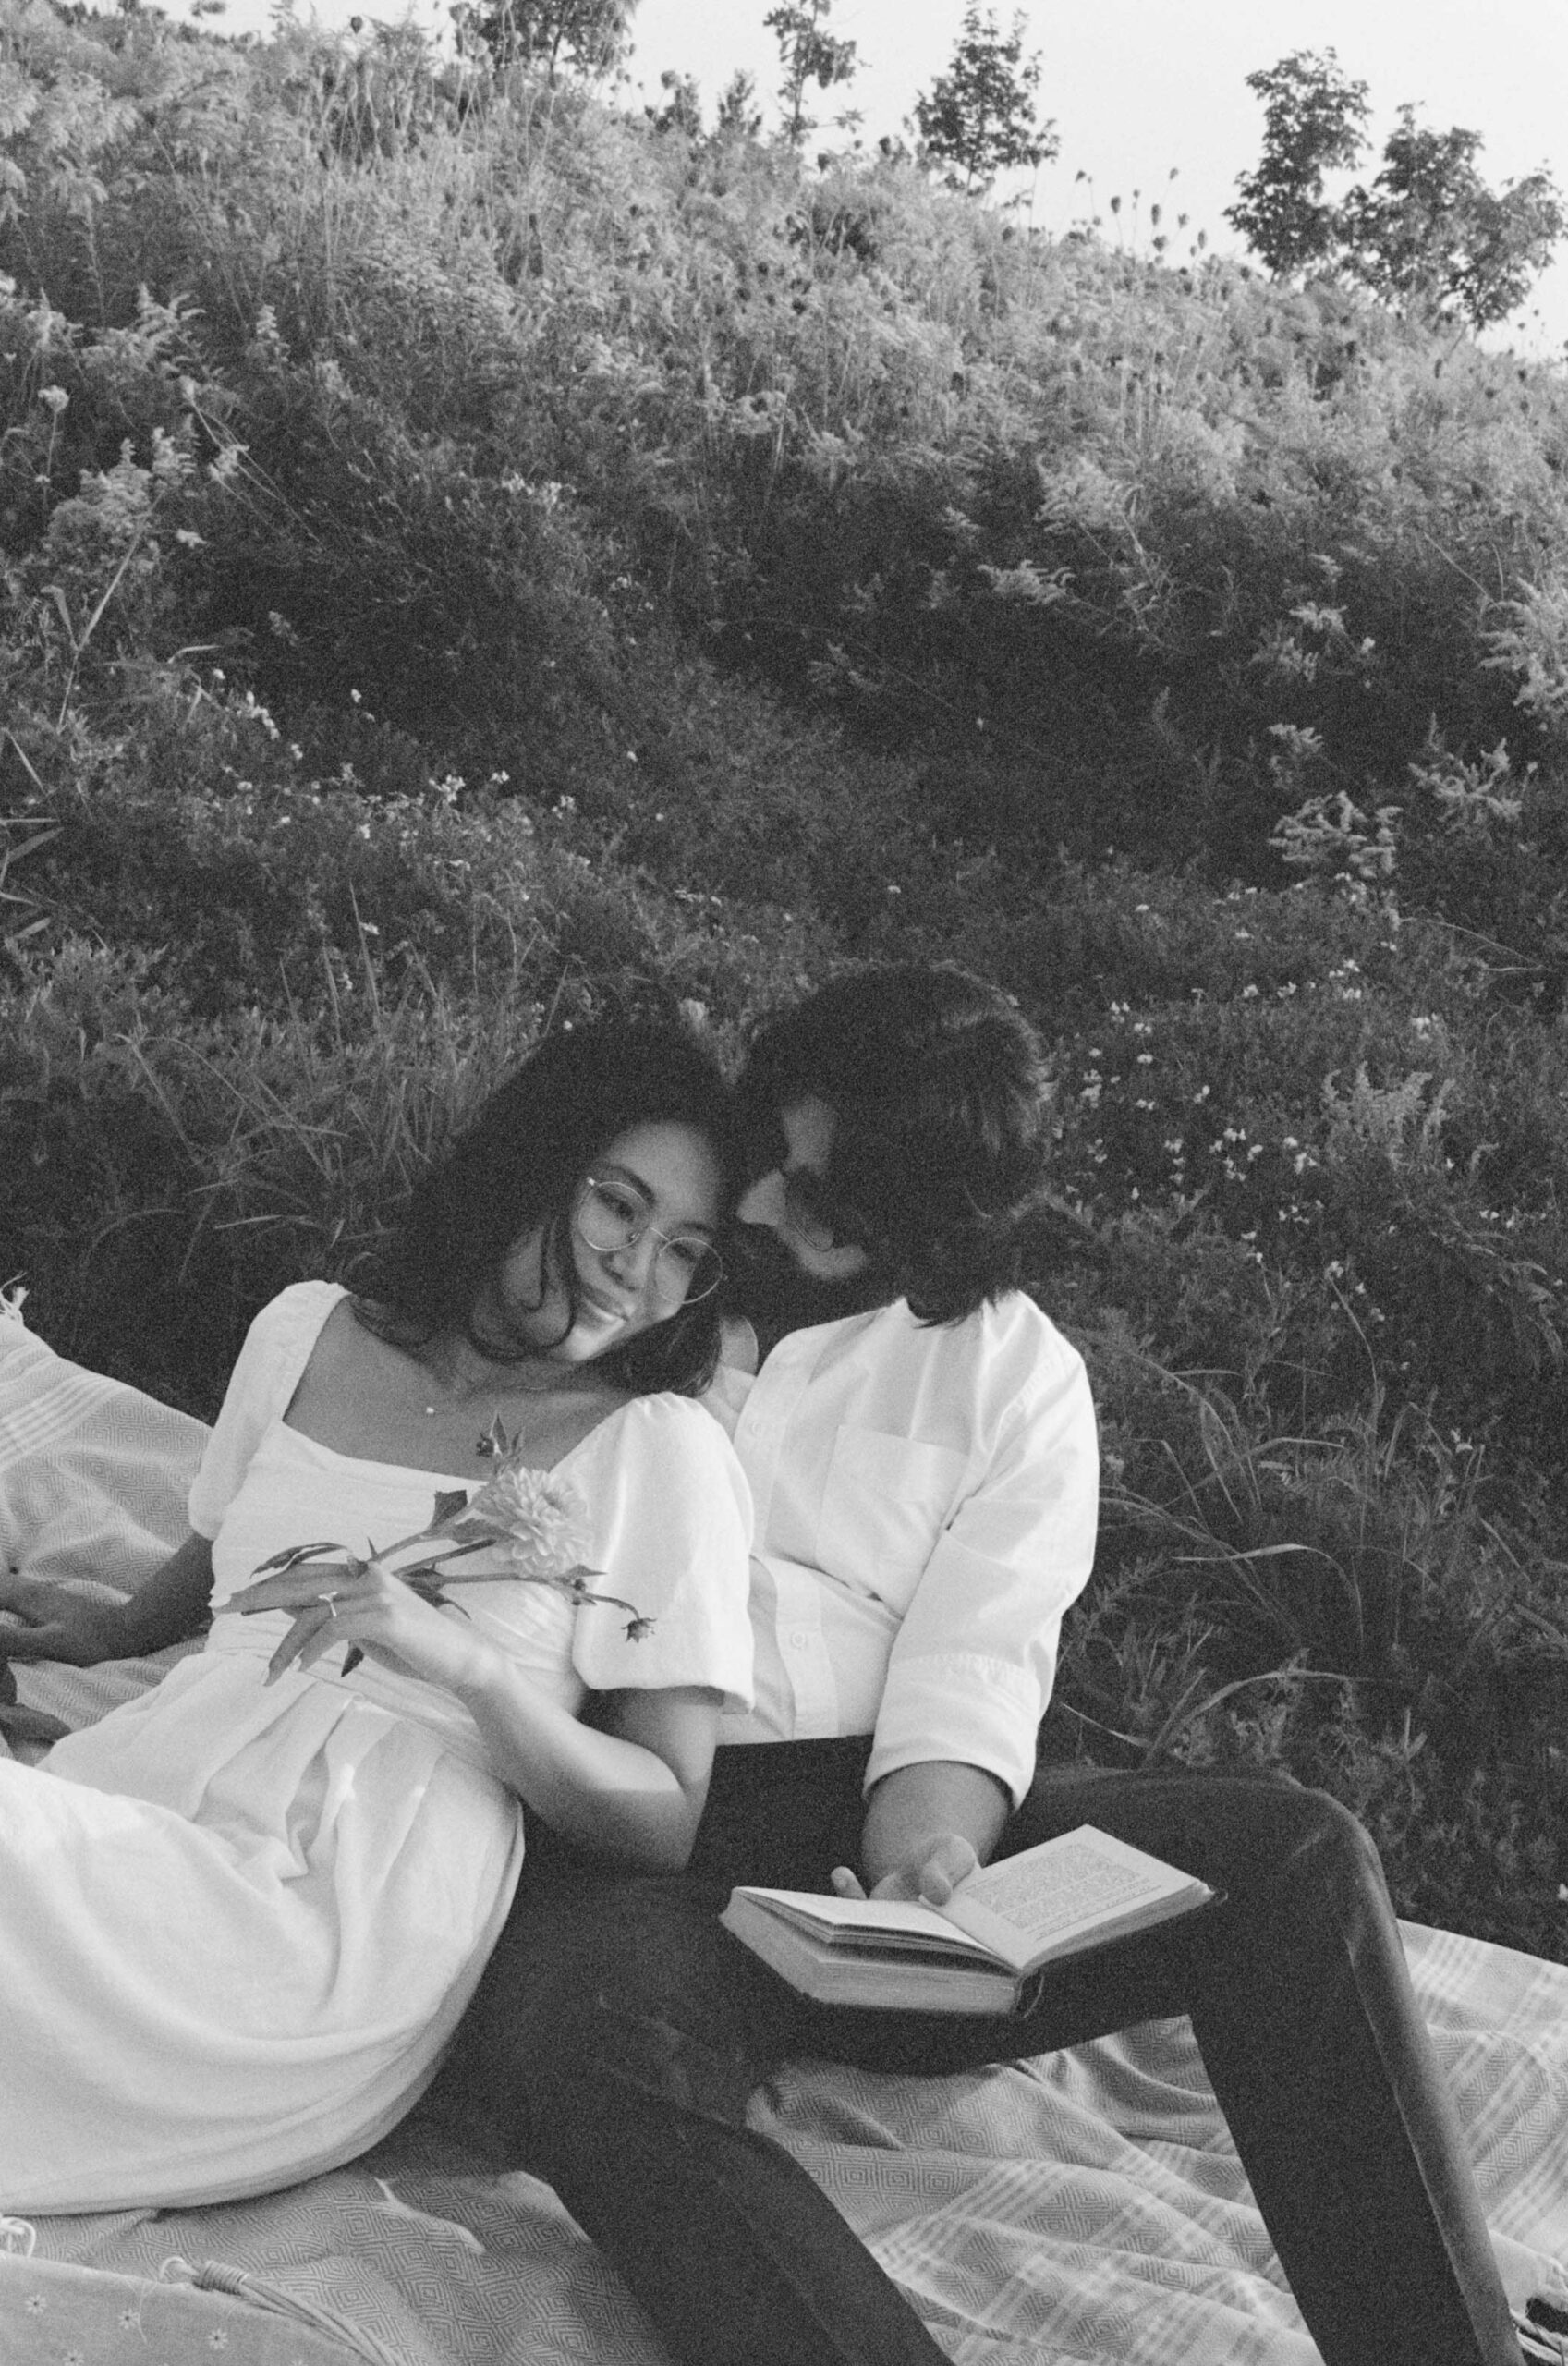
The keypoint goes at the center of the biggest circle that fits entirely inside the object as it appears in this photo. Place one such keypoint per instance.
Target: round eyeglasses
(611, 1217)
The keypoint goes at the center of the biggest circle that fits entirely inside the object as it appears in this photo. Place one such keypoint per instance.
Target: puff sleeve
(670, 1521)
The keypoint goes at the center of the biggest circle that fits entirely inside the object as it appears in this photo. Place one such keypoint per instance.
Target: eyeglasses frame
(591, 1184)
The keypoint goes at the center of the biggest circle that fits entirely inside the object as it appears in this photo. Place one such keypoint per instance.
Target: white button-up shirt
(926, 1499)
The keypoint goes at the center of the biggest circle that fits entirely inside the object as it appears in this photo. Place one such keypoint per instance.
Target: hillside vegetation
(469, 555)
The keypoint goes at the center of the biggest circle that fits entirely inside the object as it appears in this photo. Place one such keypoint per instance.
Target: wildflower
(537, 1519)
(53, 398)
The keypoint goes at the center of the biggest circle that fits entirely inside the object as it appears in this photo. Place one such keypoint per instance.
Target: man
(920, 1445)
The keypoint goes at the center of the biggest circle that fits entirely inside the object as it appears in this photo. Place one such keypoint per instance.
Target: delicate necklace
(464, 1397)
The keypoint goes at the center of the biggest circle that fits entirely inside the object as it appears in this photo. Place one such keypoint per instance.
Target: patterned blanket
(1084, 2209)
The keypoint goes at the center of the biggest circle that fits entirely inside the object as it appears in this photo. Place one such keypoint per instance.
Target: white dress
(239, 1921)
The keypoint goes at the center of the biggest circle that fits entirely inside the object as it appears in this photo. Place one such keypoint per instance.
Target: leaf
(291, 1556)
(448, 1503)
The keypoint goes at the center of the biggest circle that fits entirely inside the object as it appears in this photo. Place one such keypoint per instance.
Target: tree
(1432, 235)
(1427, 234)
(809, 53)
(979, 118)
(592, 35)
(1312, 119)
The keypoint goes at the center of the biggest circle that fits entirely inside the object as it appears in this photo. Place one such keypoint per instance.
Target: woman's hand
(365, 1606)
(43, 1621)
(51, 1622)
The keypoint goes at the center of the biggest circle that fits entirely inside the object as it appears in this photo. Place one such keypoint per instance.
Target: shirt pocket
(884, 1504)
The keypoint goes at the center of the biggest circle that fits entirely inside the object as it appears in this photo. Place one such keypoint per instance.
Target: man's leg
(1312, 2038)
(619, 2032)
(612, 2049)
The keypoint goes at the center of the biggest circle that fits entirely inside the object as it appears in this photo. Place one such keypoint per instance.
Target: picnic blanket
(1084, 2208)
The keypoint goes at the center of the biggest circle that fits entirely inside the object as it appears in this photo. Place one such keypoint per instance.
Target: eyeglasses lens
(686, 1268)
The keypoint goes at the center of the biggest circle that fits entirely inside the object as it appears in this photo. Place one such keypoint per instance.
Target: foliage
(1313, 116)
(467, 556)
(1428, 233)
(979, 116)
(807, 52)
(591, 35)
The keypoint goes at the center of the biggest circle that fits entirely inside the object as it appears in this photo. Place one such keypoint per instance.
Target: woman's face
(666, 1179)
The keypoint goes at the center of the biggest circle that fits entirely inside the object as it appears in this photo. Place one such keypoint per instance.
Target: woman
(240, 1917)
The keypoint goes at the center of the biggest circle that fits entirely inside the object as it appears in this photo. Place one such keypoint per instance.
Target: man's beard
(777, 1296)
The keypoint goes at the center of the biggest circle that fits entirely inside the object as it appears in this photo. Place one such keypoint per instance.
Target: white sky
(1136, 87)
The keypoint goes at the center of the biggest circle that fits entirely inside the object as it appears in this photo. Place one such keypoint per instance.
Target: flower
(539, 1524)
(537, 1519)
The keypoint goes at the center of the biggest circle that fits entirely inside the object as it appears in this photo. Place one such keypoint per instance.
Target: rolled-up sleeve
(972, 1665)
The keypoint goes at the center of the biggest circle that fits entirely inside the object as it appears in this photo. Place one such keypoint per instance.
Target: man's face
(790, 1201)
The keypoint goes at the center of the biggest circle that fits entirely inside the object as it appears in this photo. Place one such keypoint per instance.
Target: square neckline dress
(239, 1921)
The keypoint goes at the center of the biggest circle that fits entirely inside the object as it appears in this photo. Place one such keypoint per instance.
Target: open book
(972, 1955)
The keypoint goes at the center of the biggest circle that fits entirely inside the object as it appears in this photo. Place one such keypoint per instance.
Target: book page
(1028, 1902)
(875, 1915)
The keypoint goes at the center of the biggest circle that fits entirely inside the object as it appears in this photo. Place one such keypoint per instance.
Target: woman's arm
(631, 1790)
(58, 1624)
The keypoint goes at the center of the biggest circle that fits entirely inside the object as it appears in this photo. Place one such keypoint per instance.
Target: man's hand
(928, 1875)
(39, 1621)
(928, 1827)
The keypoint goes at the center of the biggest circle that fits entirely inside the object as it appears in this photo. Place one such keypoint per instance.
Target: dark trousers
(619, 2032)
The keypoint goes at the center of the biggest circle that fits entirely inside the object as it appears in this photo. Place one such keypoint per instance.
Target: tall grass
(467, 556)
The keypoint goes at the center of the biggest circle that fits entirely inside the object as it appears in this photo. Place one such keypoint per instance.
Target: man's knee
(1321, 1828)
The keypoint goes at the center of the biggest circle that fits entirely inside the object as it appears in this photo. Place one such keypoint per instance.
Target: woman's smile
(670, 1174)
(592, 1301)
